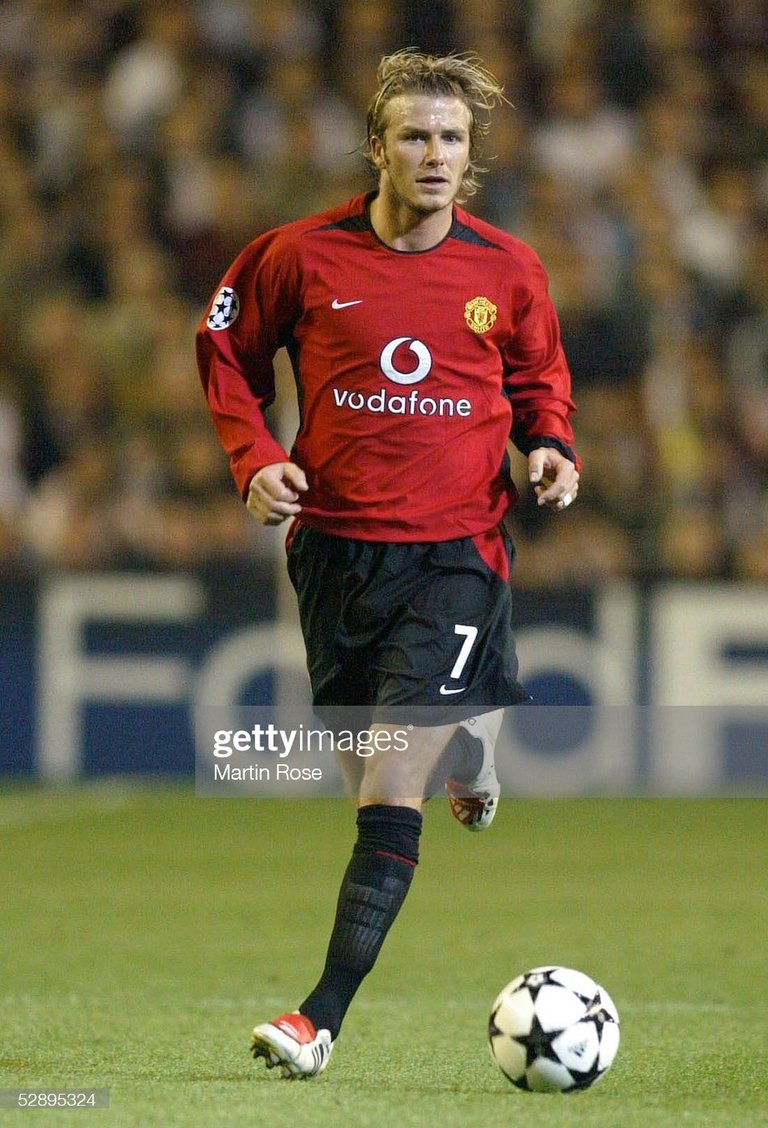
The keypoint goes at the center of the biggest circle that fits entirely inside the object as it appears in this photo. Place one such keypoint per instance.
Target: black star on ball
(537, 1043)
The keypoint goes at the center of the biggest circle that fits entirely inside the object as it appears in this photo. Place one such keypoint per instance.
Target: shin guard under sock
(372, 892)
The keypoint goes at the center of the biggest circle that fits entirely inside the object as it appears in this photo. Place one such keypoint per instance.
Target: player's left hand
(554, 477)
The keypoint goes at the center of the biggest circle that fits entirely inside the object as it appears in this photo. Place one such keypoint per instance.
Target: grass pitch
(145, 931)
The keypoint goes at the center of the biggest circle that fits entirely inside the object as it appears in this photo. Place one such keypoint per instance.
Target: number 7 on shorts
(469, 634)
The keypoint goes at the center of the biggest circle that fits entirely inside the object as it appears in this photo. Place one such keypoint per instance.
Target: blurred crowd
(143, 144)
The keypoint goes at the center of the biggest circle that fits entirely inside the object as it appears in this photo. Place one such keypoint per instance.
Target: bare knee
(397, 770)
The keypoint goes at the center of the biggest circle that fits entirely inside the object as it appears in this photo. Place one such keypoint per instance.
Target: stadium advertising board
(661, 690)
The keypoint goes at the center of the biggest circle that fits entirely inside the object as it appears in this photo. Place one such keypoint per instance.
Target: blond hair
(456, 76)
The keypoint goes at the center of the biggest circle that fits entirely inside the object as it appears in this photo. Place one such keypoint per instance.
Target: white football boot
(292, 1043)
(474, 804)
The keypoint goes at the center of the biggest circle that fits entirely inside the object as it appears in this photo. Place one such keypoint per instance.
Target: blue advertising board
(660, 690)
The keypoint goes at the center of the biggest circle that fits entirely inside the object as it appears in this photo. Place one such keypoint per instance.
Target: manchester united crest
(480, 314)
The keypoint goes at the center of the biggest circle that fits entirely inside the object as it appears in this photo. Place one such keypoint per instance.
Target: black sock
(373, 889)
(461, 759)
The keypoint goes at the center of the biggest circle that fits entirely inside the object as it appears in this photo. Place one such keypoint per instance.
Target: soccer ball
(553, 1030)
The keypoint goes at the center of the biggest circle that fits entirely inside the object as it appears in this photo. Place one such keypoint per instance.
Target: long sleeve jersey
(413, 370)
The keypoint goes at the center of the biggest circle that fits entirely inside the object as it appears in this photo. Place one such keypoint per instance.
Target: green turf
(144, 932)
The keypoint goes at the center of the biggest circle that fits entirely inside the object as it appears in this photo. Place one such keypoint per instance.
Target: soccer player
(422, 340)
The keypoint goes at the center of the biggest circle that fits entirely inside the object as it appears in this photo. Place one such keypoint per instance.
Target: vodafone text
(414, 403)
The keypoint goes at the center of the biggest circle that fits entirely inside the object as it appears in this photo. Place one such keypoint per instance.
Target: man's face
(424, 152)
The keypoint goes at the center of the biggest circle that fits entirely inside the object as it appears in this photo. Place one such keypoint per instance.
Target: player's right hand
(273, 495)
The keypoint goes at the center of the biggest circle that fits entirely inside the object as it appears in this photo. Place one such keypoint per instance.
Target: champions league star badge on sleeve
(225, 308)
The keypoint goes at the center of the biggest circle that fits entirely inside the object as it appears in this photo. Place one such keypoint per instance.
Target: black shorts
(407, 632)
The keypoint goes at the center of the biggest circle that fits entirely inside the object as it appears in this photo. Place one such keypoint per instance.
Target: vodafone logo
(396, 362)
(419, 350)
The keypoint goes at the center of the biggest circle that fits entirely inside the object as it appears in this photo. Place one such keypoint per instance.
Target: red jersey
(413, 369)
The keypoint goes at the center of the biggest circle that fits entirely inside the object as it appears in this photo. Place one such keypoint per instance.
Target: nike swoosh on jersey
(336, 304)
(445, 691)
